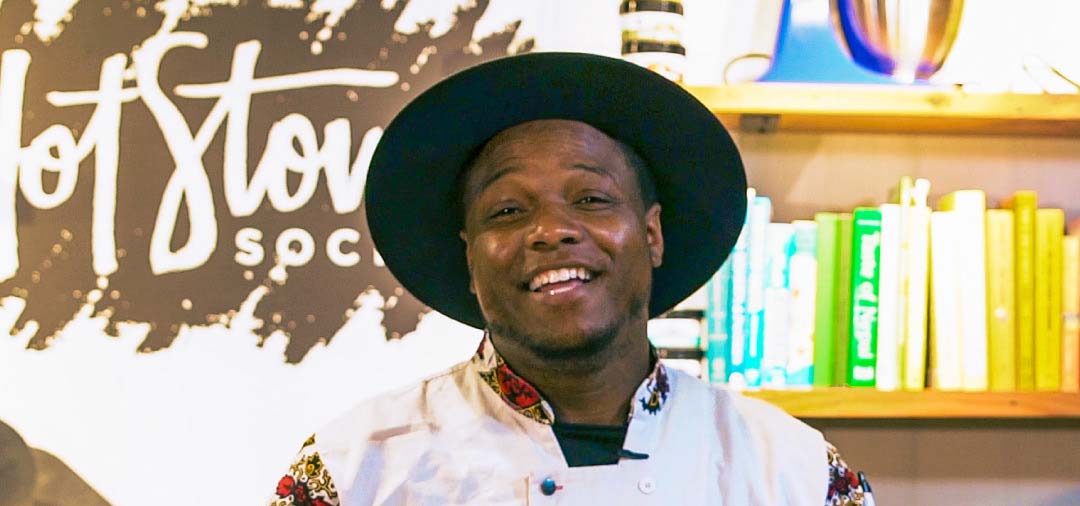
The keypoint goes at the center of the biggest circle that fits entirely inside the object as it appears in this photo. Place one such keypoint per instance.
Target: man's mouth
(559, 280)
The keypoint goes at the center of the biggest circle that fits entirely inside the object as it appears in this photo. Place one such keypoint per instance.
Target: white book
(760, 216)
(777, 305)
(945, 343)
(913, 339)
(888, 345)
(682, 333)
(802, 280)
(970, 241)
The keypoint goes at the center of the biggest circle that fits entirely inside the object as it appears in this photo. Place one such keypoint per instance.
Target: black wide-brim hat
(414, 212)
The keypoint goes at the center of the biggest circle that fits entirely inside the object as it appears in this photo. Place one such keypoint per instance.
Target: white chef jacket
(479, 434)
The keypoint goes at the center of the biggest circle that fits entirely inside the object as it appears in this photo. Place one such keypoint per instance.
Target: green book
(828, 257)
(865, 279)
(842, 317)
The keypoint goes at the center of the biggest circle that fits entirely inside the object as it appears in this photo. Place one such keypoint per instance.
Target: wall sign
(202, 162)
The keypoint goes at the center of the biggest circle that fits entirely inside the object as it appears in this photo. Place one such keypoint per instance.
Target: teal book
(757, 245)
(865, 287)
(735, 351)
(718, 323)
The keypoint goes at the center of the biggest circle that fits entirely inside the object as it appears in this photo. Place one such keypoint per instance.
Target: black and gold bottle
(652, 35)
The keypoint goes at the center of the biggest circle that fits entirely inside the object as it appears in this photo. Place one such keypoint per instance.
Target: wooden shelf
(867, 403)
(765, 107)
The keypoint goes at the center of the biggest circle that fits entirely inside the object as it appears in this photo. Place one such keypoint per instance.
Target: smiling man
(559, 201)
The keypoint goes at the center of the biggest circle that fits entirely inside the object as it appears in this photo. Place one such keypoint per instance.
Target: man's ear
(654, 234)
(468, 260)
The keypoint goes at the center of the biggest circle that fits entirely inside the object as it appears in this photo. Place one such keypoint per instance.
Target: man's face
(560, 245)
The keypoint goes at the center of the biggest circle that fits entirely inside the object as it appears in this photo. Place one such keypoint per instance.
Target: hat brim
(413, 209)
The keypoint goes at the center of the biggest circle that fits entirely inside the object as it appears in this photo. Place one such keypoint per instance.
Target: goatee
(592, 348)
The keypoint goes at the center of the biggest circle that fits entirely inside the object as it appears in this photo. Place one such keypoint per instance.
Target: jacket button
(548, 486)
(646, 486)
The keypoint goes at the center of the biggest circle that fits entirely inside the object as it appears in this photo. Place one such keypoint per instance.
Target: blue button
(548, 486)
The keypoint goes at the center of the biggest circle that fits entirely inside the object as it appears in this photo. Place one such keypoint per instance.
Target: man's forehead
(558, 136)
(513, 148)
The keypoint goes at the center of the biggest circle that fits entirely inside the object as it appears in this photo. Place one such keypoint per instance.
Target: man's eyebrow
(595, 169)
(510, 169)
(495, 176)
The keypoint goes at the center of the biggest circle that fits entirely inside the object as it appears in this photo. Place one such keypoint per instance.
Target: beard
(591, 347)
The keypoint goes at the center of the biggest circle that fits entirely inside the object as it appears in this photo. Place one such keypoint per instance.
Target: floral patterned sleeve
(307, 483)
(845, 487)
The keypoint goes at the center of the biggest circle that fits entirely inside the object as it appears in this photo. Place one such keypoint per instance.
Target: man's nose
(553, 226)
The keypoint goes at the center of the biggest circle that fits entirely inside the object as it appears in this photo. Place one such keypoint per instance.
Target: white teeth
(558, 275)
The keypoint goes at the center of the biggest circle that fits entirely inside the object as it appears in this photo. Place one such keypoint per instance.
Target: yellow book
(1070, 296)
(1049, 232)
(1023, 203)
(1000, 306)
(915, 248)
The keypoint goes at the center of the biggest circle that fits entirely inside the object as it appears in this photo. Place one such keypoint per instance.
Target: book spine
(843, 298)
(760, 215)
(718, 323)
(1070, 331)
(802, 280)
(825, 301)
(735, 351)
(915, 286)
(865, 278)
(970, 206)
(1049, 231)
(777, 313)
(945, 344)
(1001, 307)
(1023, 204)
(888, 341)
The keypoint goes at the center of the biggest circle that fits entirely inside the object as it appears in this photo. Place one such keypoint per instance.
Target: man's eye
(593, 199)
(505, 211)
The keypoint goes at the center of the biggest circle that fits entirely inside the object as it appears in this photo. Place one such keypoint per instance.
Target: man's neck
(595, 391)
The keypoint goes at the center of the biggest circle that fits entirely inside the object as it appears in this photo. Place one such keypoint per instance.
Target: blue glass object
(809, 50)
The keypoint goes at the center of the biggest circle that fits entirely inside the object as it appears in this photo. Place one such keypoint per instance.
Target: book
(738, 327)
(825, 325)
(1049, 232)
(802, 281)
(1023, 204)
(845, 229)
(970, 243)
(865, 277)
(914, 282)
(1070, 298)
(945, 343)
(1000, 304)
(675, 333)
(718, 323)
(760, 216)
(889, 303)
(777, 314)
